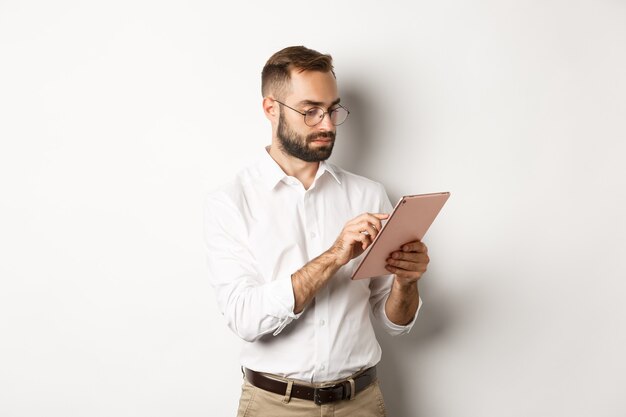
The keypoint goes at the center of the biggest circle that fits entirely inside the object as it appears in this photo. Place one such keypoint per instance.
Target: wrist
(333, 259)
(404, 284)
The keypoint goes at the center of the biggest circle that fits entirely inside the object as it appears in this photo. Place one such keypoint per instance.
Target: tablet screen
(409, 221)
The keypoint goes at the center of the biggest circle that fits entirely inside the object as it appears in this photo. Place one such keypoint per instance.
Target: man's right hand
(356, 236)
(352, 241)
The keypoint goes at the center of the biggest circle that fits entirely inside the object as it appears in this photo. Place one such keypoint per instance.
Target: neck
(302, 170)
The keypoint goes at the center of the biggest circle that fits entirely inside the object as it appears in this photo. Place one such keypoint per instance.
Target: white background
(116, 117)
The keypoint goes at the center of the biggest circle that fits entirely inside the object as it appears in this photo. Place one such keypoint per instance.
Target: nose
(326, 124)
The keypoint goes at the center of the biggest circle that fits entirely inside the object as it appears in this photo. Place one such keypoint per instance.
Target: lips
(323, 138)
(325, 143)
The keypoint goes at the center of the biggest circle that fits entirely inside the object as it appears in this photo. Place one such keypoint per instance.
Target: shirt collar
(271, 173)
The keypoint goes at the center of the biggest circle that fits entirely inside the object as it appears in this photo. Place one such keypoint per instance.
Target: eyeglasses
(315, 115)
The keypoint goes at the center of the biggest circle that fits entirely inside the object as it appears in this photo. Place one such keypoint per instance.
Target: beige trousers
(255, 402)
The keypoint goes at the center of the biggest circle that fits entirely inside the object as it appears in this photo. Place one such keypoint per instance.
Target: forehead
(314, 86)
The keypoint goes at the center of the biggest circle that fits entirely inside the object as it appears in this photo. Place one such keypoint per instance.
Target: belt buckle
(316, 394)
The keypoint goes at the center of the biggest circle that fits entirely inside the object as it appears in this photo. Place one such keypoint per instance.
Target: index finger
(375, 219)
(415, 246)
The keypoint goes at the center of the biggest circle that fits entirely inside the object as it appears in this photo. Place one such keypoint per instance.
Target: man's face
(308, 89)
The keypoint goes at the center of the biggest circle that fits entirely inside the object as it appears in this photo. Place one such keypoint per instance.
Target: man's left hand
(409, 263)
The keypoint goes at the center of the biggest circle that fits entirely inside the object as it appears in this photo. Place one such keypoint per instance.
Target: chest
(288, 227)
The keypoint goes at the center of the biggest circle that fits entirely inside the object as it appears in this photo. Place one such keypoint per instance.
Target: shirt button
(313, 234)
(322, 367)
(322, 322)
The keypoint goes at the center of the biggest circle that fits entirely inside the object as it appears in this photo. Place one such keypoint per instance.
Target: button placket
(311, 225)
(323, 331)
(313, 220)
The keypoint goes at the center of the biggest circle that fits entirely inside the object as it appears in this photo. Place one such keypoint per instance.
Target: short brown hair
(276, 72)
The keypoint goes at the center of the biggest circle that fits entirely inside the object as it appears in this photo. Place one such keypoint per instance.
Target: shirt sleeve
(380, 287)
(251, 305)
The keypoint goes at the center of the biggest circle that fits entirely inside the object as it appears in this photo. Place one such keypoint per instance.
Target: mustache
(325, 135)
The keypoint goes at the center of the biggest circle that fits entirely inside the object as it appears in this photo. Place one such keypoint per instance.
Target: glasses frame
(328, 112)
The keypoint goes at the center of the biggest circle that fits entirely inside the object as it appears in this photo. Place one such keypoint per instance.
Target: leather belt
(322, 395)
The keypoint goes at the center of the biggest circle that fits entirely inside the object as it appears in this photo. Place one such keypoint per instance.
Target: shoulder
(232, 193)
(362, 193)
(355, 182)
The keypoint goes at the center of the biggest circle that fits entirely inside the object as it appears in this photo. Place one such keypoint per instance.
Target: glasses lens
(338, 115)
(313, 116)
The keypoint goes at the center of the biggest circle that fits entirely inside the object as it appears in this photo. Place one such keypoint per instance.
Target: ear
(270, 108)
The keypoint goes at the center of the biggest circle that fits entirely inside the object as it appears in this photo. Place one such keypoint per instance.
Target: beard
(298, 146)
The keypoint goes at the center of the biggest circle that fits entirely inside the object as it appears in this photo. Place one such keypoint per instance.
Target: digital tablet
(409, 221)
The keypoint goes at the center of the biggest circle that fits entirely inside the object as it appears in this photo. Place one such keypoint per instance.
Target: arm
(408, 265)
(395, 299)
(308, 280)
(252, 305)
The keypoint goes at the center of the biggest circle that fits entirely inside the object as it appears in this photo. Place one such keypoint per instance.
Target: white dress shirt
(264, 226)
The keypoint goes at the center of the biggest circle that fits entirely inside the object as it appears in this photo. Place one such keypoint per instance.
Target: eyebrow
(317, 103)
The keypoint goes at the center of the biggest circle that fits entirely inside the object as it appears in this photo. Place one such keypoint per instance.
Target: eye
(314, 112)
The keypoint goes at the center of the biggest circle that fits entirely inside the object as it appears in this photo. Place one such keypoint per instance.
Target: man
(282, 241)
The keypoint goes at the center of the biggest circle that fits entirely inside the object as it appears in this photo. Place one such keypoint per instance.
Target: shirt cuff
(396, 329)
(281, 302)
